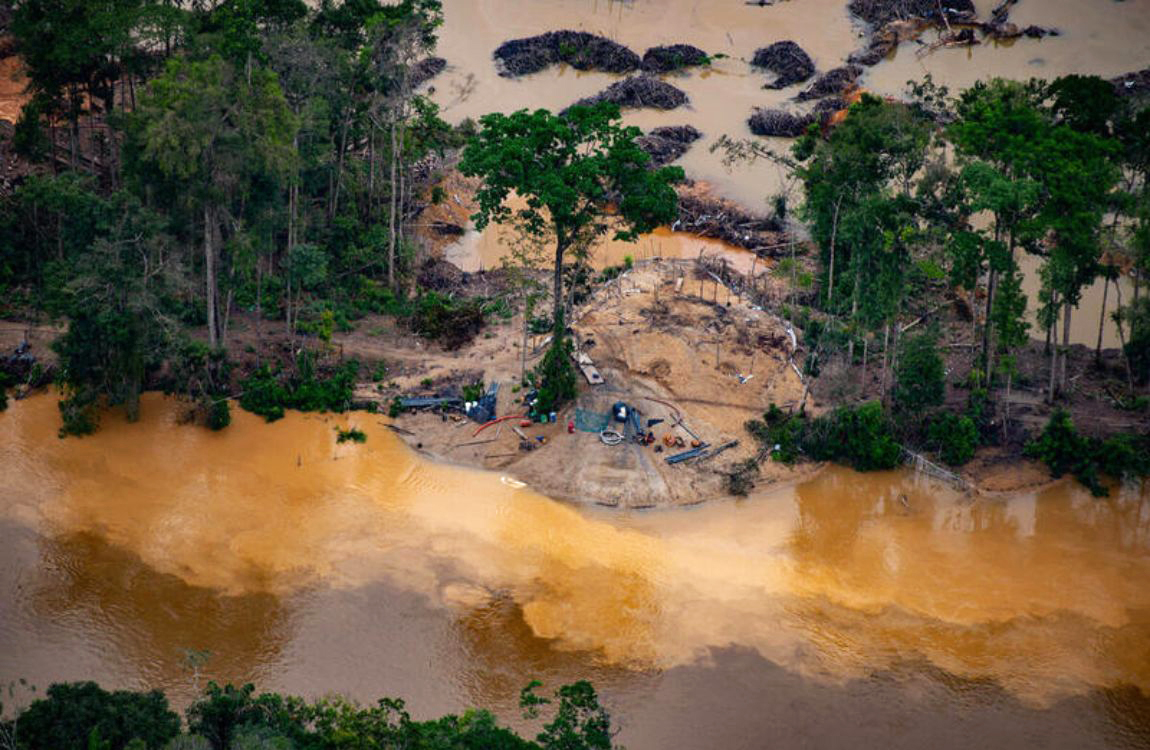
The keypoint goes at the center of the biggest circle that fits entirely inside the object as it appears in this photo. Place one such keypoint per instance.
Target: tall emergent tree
(570, 170)
(221, 133)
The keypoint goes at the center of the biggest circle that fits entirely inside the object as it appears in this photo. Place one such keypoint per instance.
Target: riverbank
(695, 357)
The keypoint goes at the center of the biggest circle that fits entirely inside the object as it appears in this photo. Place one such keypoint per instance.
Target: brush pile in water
(580, 50)
(787, 61)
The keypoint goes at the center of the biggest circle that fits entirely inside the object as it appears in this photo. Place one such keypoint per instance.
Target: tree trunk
(211, 290)
(259, 308)
(392, 209)
(866, 345)
(854, 313)
(526, 324)
(1053, 350)
(1122, 341)
(557, 313)
(1102, 319)
(339, 169)
(1006, 408)
(885, 353)
(986, 328)
(1065, 347)
(893, 356)
(831, 272)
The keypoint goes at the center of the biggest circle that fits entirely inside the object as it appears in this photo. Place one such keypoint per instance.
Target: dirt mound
(580, 50)
(882, 12)
(787, 61)
(668, 143)
(832, 83)
(639, 91)
(426, 69)
(439, 275)
(777, 122)
(1133, 84)
(673, 57)
(704, 214)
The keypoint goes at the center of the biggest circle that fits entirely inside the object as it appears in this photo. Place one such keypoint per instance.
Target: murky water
(811, 615)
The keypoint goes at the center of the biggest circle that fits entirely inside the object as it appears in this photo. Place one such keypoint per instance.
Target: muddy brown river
(812, 616)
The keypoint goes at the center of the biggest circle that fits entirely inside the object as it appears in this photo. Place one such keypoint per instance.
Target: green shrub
(1059, 446)
(219, 413)
(556, 377)
(474, 391)
(859, 437)
(779, 432)
(268, 393)
(450, 321)
(262, 394)
(920, 378)
(353, 435)
(1065, 451)
(79, 413)
(956, 437)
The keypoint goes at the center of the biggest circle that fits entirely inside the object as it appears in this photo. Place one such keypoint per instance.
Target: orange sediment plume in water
(833, 579)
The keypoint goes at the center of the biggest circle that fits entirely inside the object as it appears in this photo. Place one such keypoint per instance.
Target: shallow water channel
(817, 615)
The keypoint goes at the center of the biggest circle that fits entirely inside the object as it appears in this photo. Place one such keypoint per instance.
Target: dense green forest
(83, 715)
(209, 158)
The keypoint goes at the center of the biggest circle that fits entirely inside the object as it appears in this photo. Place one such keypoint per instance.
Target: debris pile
(832, 83)
(579, 49)
(668, 143)
(884, 40)
(440, 275)
(639, 91)
(704, 214)
(787, 61)
(878, 13)
(826, 109)
(779, 123)
(673, 57)
(1132, 84)
(426, 69)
